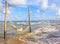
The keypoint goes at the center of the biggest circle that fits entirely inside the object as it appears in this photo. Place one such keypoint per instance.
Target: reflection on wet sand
(32, 38)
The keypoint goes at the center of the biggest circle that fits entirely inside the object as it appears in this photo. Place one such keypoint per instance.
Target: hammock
(23, 28)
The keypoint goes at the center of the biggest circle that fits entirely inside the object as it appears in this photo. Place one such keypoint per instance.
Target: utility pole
(29, 20)
(6, 13)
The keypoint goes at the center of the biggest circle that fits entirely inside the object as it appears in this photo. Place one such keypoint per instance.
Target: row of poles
(5, 17)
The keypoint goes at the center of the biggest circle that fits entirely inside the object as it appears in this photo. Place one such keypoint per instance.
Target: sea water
(36, 27)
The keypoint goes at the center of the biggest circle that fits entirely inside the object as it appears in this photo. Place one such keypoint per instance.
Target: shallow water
(38, 38)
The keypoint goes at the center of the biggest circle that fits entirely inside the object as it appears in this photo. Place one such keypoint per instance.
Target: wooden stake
(6, 13)
(29, 19)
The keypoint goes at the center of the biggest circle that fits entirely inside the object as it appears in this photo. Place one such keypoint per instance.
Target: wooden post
(6, 13)
(29, 20)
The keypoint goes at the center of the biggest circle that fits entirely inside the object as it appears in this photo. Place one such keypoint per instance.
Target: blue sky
(39, 10)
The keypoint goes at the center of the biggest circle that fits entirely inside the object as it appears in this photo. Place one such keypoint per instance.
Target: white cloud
(17, 2)
(38, 11)
(58, 12)
(53, 6)
(44, 4)
(24, 2)
(34, 2)
(1, 6)
(1, 11)
(11, 9)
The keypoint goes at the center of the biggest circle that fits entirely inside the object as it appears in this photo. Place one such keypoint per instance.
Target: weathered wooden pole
(29, 20)
(6, 13)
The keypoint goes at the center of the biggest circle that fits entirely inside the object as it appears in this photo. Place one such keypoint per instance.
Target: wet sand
(26, 38)
(12, 40)
(29, 38)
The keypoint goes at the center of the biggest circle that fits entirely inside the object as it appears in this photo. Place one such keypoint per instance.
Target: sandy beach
(31, 38)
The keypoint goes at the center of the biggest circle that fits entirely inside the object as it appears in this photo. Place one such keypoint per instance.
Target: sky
(39, 10)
